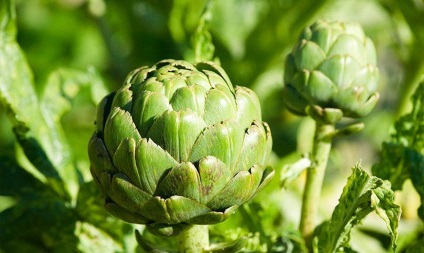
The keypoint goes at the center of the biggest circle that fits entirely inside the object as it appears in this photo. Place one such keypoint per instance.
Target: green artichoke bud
(332, 66)
(177, 144)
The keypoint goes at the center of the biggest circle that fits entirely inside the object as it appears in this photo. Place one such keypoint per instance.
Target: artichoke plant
(332, 66)
(177, 144)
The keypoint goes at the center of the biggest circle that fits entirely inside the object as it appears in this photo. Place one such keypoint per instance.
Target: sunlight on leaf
(36, 121)
(361, 195)
(18, 96)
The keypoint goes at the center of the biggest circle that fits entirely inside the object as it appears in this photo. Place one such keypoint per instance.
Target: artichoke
(177, 144)
(332, 66)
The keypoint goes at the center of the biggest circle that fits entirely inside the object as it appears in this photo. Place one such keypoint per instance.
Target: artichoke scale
(341, 69)
(176, 132)
(173, 210)
(248, 107)
(348, 44)
(238, 190)
(182, 180)
(254, 148)
(123, 98)
(152, 163)
(219, 105)
(223, 141)
(214, 217)
(124, 214)
(320, 88)
(119, 126)
(214, 175)
(308, 55)
(148, 106)
(124, 161)
(191, 97)
(124, 193)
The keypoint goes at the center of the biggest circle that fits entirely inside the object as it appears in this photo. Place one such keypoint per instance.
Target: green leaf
(15, 180)
(361, 195)
(403, 156)
(417, 177)
(61, 94)
(36, 121)
(42, 218)
(38, 157)
(18, 96)
(90, 206)
(395, 164)
(92, 239)
(290, 242)
(98, 229)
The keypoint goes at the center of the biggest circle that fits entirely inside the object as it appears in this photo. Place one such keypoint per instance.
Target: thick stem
(314, 180)
(195, 239)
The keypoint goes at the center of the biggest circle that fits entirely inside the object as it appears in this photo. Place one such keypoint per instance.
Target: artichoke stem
(314, 180)
(195, 239)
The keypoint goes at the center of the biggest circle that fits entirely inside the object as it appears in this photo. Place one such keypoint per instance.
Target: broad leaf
(15, 181)
(92, 239)
(17, 95)
(36, 121)
(361, 195)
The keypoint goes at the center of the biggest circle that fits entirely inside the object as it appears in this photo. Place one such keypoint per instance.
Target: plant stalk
(314, 180)
(195, 239)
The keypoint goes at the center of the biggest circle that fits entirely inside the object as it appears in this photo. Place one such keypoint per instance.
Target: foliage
(402, 158)
(56, 208)
(361, 195)
(58, 58)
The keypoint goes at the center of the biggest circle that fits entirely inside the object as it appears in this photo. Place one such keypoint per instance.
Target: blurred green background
(251, 39)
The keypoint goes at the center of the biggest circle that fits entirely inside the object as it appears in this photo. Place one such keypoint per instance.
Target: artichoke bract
(177, 144)
(332, 66)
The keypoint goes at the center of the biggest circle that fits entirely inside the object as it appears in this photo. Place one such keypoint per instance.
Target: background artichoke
(177, 144)
(332, 65)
